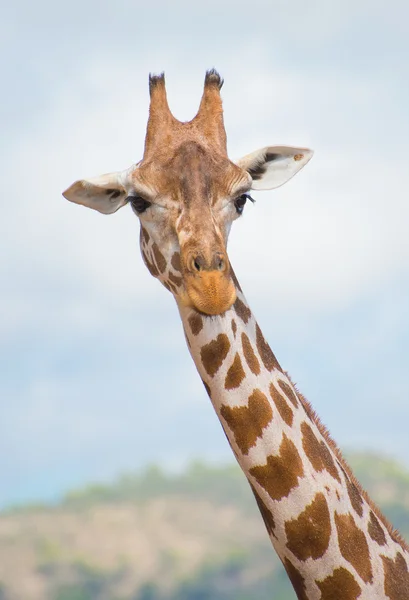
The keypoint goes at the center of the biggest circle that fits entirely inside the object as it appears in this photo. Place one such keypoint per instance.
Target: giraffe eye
(138, 204)
(241, 201)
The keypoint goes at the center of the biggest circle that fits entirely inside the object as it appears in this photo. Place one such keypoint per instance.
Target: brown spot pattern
(283, 408)
(214, 353)
(196, 323)
(145, 235)
(265, 512)
(375, 530)
(297, 580)
(354, 495)
(341, 581)
(175, 262)
(353, 545)
(249, 355)
(288, 392)
(242, 310)
(280, 473)
(151, 267)
(266, 354)
(396, 580)
(235, 374)
(247, 422)
(317, 452)
(233, 327)
(308, 535)
(159, 258)
(175, 279)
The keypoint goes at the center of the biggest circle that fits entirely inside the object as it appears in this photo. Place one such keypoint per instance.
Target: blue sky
(95, 378)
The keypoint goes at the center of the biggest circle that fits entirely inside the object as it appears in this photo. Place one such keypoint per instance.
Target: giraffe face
(186, 206)
(186, 193)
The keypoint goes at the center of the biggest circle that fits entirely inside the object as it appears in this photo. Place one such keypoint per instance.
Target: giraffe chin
(211, 292)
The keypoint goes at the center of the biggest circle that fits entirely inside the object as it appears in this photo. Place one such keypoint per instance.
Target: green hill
(159, 536)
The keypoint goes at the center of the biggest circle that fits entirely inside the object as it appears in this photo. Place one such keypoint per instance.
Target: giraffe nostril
(197, 263)
(219, 261)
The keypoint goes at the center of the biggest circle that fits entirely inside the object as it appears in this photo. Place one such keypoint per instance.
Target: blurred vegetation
(199, 480)
(195, 535)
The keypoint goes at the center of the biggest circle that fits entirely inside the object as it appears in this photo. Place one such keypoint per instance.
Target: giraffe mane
(394, 533)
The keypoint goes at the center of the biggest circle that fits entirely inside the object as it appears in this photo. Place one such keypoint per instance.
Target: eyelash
(240, 201)
(138, 203)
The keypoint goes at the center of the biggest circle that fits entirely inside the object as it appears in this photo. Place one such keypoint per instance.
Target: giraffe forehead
(193, 175)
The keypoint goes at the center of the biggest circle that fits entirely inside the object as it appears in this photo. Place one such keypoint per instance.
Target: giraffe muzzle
(211, 292)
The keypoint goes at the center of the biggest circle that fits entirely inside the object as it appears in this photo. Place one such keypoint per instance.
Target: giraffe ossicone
(333, 541)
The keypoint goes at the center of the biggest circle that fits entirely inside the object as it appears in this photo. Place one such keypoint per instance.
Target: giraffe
(331, 538)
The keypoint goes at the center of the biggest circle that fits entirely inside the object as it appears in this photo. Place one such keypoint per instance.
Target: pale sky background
(95, 378)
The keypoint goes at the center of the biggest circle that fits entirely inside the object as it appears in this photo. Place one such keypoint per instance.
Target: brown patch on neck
(396, 582)
(195, 322)
(308, 535)
(214, 353)
(235, 374)
(233, 327)
(297, 580)
(354, 496)
(288, 392)
(266, 354)
(247, 422)
(249, 355)
(353, 546)
(340, 580)
(280, 474)
(317, 452)
(375, 530)
(265, 512)
(283, 408)
(242, 310)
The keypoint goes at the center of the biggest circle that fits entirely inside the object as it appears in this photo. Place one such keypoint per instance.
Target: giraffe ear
(106, 193)
(272, 166)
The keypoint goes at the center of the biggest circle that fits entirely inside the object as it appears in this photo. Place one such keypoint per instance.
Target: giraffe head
(187, 193)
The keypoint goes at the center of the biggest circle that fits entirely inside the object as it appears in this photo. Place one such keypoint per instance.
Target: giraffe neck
(326, 531)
